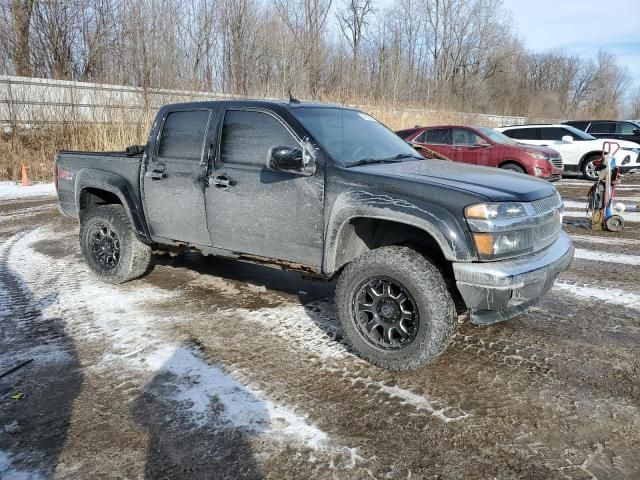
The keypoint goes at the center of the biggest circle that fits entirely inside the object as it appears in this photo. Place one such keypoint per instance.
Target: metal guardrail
(31, 101)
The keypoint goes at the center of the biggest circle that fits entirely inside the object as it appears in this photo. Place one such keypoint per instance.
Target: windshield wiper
(395, 158)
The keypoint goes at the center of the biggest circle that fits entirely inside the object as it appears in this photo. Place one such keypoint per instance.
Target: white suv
(579, 150)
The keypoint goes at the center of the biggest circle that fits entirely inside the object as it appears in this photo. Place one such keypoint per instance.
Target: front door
(256, 211)
(469, 147)
(552, 137)
(175, 178)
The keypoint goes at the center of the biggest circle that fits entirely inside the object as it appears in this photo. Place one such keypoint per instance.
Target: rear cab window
(183, 135)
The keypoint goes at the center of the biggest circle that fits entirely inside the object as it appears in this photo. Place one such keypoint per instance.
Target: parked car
(619, 129)
(332, 193)
(580, 151)
(486, 147)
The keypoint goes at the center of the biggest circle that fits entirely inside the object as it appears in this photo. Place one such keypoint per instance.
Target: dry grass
(36, 146)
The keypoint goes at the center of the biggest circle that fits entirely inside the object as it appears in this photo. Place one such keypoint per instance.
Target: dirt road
(208, 368)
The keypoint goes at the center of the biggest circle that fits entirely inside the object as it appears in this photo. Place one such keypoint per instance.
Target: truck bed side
(83, 178)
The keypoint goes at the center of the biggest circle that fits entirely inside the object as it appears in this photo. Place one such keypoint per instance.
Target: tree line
(461, 55)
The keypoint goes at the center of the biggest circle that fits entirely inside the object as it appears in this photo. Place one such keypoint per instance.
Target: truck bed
(70, 164)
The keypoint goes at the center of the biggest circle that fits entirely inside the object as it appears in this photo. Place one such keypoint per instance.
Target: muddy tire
(589, 169)
(110, 246)
(394, 308)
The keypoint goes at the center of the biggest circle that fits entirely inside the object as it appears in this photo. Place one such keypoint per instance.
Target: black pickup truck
(328, 191)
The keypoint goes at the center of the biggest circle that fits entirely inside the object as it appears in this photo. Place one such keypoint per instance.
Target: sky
(581, 27)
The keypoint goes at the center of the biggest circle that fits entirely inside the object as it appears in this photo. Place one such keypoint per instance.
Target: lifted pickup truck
(331, 192)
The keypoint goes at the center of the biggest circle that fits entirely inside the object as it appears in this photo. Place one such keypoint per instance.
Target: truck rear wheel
(394, 308)
(110, 246)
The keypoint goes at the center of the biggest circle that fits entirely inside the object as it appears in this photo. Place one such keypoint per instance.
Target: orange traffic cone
(25, 177)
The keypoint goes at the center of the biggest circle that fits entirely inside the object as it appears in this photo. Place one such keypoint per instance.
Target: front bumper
(497, 291)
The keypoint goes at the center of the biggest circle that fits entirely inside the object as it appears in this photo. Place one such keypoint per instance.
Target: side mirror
(636, 131)
(290, 159)
(567, 139)
(482, 144)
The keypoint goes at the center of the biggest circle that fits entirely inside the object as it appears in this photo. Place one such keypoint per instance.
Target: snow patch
(14, 191)
(8, 472)
(606, 240)
(118, 316)
(420, 403)
(608, 295)
(607, 257)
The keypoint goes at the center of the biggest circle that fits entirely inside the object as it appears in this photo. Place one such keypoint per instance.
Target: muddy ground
(208, 368)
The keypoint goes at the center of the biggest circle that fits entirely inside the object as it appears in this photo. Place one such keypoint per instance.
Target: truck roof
(286, 104)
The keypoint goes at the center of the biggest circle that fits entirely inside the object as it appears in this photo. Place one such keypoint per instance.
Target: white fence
(33, 101)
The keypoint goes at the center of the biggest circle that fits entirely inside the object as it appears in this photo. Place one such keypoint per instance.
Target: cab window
(183, 135)
(464, 137)
(438, 136)
(602, 127)
(247, 137)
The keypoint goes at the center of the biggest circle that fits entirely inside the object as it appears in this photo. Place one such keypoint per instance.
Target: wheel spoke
(402, 329)
(373, 293)
(386, 313)
(104, 246)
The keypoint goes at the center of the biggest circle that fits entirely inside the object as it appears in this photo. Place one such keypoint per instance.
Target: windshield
(578, 133)
(353, 138)
(497, 137)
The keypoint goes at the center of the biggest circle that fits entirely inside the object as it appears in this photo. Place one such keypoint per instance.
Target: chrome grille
(548, 230)
(556, 161)
(547, 204)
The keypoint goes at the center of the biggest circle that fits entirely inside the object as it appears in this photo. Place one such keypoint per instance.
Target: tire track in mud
(132, 353)
(49, 384)
(521, 371)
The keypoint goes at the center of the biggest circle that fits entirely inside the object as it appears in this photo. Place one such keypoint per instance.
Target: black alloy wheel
(105, 246)
(386, 313)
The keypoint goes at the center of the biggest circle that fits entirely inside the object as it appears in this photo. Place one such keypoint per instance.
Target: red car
(486, 146)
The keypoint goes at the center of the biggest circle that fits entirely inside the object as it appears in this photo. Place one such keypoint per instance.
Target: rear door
(468, 147)
(175, 177)
(437, 139)
(256, 211)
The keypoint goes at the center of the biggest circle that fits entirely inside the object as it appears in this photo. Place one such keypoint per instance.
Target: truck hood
(492, 183)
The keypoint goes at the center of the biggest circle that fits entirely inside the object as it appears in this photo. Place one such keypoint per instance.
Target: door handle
(156, 174)
(222, 182)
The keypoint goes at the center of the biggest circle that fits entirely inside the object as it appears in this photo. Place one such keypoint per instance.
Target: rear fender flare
(117, 185)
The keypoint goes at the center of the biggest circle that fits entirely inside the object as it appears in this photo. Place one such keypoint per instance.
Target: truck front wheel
(394, 308)
(110, 246)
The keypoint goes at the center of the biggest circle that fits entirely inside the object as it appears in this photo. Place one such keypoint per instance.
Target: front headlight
(537, 155)
(500, 229)
(495, 211)
(506, 244)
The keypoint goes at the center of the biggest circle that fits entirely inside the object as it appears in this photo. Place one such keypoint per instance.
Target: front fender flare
(433, 219)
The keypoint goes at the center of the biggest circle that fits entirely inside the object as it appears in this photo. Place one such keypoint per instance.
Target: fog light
(537, 171)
